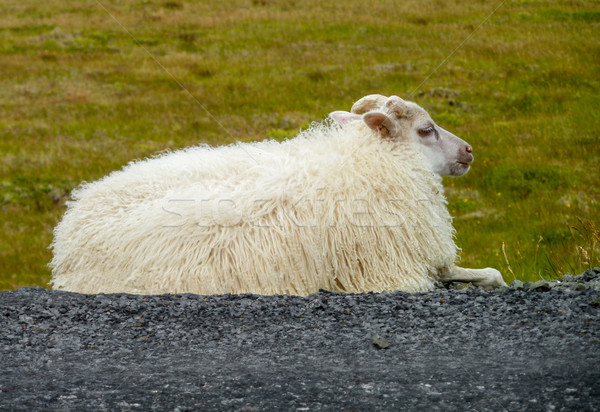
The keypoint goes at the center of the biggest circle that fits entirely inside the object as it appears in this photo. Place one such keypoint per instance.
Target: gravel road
(527, 347)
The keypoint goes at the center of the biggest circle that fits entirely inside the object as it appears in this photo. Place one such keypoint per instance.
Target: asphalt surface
(529, 347)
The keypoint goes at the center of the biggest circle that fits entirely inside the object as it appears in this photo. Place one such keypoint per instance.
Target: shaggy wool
(336, 208)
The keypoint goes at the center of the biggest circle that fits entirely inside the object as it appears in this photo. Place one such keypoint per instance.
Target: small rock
(461, 286)
(439, 286)
(555, 284)
(315, 304)
(379, 342)
(585, 276)
(541, 285)
(516, 284)
(596, 269)
(578, 286)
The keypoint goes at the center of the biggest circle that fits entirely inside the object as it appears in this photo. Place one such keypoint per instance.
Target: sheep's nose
(469, 149)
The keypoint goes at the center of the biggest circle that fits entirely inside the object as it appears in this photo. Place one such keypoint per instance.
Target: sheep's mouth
(463, 164)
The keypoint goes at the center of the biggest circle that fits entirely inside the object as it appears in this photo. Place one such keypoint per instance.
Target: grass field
(86, 86)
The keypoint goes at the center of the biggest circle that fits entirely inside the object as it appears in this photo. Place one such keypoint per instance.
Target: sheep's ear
(379, 122)
(367, 103)
(344, 117)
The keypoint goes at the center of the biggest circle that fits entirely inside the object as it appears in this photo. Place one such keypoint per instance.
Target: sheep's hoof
(492, 279)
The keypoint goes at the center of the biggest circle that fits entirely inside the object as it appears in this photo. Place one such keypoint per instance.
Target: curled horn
(396, 105)
(368, 103)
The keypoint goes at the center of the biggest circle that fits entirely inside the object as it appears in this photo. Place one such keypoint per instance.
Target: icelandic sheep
(353, 204)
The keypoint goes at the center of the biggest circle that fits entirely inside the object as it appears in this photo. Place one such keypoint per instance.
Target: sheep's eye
(426, 132)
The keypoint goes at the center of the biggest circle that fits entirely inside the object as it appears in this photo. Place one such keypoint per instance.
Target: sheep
(352, 204)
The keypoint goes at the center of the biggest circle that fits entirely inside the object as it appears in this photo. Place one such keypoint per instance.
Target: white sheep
(355, 205)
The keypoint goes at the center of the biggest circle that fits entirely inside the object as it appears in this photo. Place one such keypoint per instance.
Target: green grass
(80, 97)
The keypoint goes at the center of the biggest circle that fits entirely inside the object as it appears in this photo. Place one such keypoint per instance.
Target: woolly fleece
(335, 208)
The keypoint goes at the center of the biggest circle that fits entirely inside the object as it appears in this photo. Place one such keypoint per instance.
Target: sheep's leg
(487, 278)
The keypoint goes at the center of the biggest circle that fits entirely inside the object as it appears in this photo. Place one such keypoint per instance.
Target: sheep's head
(394, 118)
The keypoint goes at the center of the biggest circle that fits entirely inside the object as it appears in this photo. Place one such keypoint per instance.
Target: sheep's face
(447, 154)
(394, 118)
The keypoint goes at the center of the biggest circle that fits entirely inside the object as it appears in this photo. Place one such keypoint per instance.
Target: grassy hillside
(86, 86)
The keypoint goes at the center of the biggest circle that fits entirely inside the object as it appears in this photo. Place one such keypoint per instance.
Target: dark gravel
(533, 346)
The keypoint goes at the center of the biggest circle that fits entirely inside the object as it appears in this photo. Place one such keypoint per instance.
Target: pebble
(379, 342)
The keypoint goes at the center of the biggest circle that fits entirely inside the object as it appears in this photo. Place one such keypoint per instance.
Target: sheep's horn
(368, 103)
(396, 104)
